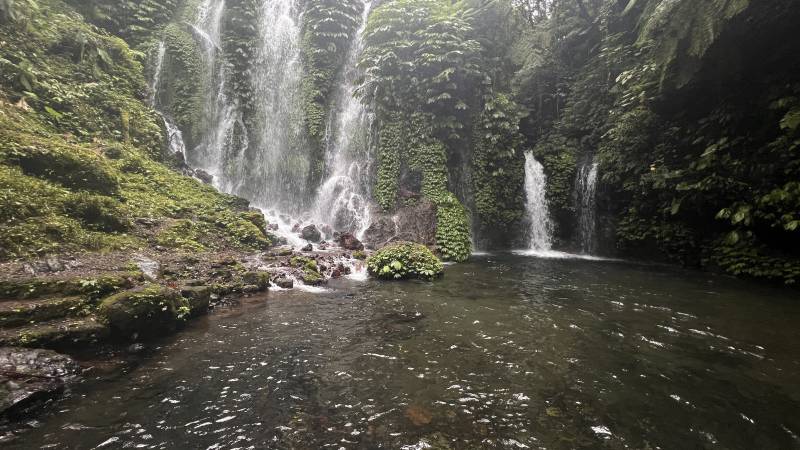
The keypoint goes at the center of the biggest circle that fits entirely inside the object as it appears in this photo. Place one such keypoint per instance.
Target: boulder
(31, 377)
(349, 242)
(414, 223)
(258, 279)
(307, 248)
(284, 282)
(204, 176)
(199, 298)
(149, 312)
(311, 233)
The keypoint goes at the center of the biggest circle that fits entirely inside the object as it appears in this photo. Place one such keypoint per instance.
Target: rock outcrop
(30, 378)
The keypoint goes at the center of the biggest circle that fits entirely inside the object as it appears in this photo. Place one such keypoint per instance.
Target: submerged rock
(311, 233)
(31, 377)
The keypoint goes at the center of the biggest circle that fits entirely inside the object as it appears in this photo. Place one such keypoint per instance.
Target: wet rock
(31, 377)
(381, 231)
(149, 267)
(199, 298)
(326, 230)
(349, 242)
(149, 312)
(284, 282)
(336, 273)
(250, 289)
(204, 176)
(311, 233)
(258, 279)
(415, 223)
(136, 348)
(307, 248)
(296, 228)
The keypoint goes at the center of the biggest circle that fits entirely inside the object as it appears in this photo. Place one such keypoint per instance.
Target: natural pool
(504, 352)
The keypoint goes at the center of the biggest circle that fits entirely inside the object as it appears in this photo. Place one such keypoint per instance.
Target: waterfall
(175, 140)
(540, 235)
(219, 114)
(278, 161)
(155, 83)
(585, 195)
(343, 198)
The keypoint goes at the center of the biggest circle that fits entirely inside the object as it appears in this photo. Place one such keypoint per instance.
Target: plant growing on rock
(404, 260)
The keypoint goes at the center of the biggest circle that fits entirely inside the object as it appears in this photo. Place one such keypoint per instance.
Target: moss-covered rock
(310, 273)
(199, 299)
(404, 260)
(148, 312)
(258, 279)
(57, 334)
(91, 287)
(17, 313)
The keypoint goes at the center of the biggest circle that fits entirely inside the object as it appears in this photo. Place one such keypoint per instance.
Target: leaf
(791, 120)
(53, 113)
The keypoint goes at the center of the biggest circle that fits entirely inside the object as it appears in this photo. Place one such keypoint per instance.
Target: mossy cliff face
(81, 152)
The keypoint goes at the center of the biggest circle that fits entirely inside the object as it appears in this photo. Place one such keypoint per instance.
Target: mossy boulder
(148, 312)
(260, 280)
(404, 260)
(311, 274)
(199, 299)
(92, 287)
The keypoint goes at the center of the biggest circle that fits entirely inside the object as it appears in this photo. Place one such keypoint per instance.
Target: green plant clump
(404, 260)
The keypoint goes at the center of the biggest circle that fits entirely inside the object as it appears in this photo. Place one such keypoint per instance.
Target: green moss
(93, 288)
(151, 311)
(311, 274)
(404, 260)
(182, 234)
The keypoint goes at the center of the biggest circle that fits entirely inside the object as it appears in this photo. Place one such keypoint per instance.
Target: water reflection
(505, 352)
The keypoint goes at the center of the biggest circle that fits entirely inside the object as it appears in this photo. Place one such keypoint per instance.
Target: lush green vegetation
(694, 129)
(81, 155)
(404, 260)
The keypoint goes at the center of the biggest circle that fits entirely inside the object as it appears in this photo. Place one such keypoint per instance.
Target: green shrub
(404, 260)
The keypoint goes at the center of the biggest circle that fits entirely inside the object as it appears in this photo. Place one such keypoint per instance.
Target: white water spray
(343, 198)
(540, 233)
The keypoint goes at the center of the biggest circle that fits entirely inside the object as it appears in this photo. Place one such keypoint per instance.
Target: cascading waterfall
(175, 140)
(540, 234)
(277, 161)
(220, 115)
(585, 196)
(343, 198)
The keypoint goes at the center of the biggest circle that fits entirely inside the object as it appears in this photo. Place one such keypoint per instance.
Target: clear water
(505, 352)
(540, 231)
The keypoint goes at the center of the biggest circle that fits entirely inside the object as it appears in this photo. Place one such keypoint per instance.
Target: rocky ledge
(30, 379)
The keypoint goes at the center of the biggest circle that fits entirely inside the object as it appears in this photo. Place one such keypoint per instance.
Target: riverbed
(505, 351)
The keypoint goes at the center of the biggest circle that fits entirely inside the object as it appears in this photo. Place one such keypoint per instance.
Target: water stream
(504, 352)
(343, 198)
(540, 227)
(585, 202)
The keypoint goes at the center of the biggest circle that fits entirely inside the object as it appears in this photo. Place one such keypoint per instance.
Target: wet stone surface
(504, 352)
